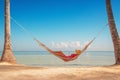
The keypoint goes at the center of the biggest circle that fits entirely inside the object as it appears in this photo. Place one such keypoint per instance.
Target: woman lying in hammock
(66, 58)
(73, 56)
(61, 55)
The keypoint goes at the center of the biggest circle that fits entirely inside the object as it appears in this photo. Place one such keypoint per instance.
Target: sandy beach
(20, 72)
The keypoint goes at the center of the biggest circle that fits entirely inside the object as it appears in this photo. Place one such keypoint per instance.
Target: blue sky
(60, 24)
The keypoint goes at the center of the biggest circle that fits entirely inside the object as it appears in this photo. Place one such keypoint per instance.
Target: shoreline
(23, 72)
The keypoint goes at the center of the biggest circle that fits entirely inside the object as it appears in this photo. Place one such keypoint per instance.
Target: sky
(59, 24)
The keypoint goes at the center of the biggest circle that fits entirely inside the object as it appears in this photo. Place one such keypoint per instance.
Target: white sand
(17, 72)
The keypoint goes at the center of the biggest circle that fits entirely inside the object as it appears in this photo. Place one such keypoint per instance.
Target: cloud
(71, 45)
(68, 45)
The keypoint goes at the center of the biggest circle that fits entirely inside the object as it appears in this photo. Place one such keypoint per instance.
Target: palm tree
(7, 55)
(113, 30)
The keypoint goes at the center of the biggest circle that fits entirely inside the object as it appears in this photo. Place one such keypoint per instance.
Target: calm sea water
(43, 58)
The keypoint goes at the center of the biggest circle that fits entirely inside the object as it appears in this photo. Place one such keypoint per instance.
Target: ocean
(43, 58)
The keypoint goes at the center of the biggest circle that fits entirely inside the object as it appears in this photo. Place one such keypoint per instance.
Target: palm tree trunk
(114, 33)
(7, 55)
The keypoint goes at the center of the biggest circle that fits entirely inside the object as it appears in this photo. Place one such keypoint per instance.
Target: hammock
(61, 55)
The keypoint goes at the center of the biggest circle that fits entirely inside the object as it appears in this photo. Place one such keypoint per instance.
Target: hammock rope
(60, 54)
(21, 26)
